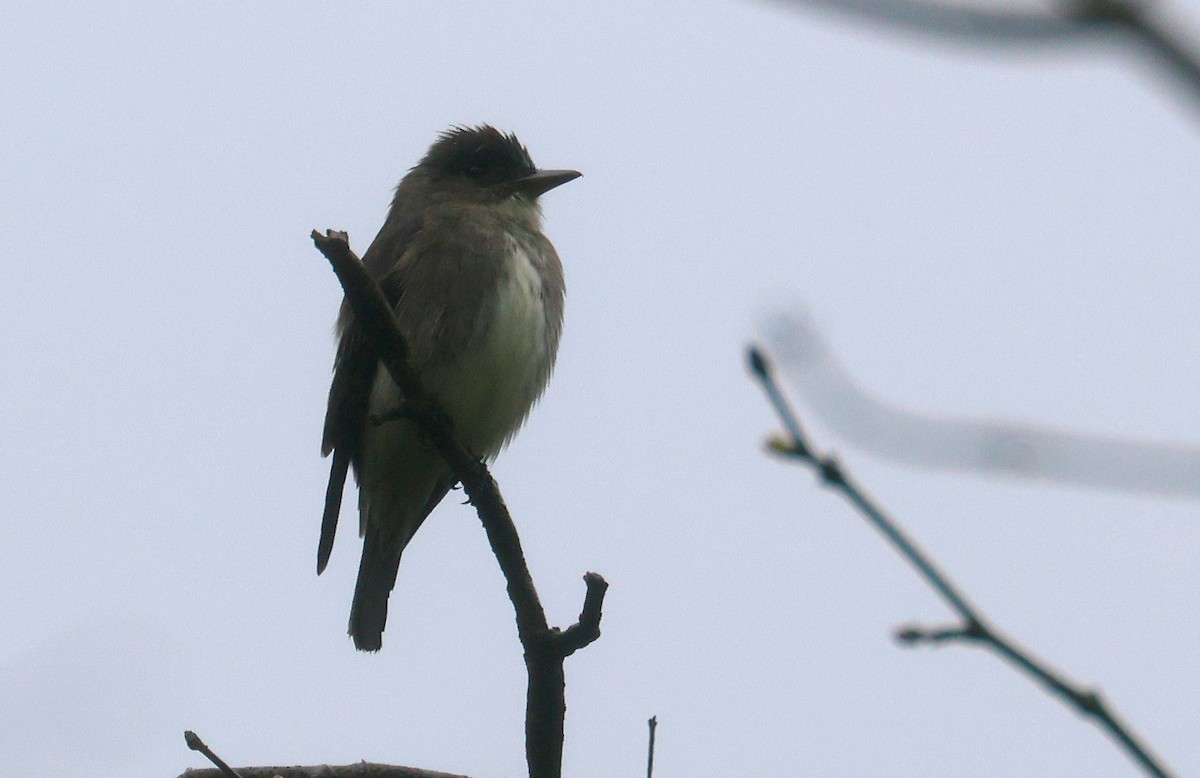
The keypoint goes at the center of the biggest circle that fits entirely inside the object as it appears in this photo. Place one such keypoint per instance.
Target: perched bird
(478, 292)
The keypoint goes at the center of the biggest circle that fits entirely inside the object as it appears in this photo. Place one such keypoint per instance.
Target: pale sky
(1005, 234)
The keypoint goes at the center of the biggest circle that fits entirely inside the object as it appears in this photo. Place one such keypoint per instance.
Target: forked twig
(545, 648)
(974, 628)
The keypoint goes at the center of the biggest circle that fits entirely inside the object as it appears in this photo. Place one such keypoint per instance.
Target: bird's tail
(376, 578)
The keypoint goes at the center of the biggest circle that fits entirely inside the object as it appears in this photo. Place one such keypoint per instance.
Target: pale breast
(491, 388)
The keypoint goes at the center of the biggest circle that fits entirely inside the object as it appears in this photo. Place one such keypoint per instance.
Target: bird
(478, 292)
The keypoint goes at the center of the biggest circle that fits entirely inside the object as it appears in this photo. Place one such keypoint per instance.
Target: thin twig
(545, 648)
(974, 628)
(653, 724)
(196, 744)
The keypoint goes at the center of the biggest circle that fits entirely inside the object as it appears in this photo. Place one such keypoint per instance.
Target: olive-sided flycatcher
(477, 290)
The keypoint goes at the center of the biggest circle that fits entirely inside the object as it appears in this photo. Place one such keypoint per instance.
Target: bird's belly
(490, 388)
(493, 387)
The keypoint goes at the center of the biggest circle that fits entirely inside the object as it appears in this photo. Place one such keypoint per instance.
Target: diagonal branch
(375, 316)
(545, 648)
(974, 627)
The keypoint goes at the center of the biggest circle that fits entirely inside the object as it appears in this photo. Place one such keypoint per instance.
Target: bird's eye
(475, 171)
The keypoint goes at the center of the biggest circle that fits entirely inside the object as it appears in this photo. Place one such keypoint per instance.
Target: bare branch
(653, 724)
(974, 628)
(545, 649)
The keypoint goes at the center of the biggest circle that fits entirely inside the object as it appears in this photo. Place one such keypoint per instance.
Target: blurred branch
(545, 647)
(1167, 46)
(1074, 19)
(958, 21)
(1047, 454)
(974, 628)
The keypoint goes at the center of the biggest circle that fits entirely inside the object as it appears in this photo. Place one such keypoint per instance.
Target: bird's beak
(541, 181)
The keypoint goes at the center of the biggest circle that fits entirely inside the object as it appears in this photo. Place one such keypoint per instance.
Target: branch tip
(587, 629)
(652, 723)
(196, 744)
(758, 363)
(778, 444)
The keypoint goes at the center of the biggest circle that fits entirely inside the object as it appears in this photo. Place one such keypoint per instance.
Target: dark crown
(482, 154)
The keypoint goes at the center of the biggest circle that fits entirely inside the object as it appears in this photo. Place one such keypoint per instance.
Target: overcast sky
(997, 234)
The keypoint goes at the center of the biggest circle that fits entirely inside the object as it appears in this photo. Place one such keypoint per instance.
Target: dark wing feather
(354, 371)
(345, 417)
(333, 505)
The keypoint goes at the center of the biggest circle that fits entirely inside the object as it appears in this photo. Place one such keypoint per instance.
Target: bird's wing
(354, 370)
(353, 374)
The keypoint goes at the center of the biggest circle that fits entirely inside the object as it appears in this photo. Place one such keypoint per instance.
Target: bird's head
(482, 165)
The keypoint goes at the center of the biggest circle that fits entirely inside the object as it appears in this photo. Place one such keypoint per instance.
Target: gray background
(1004, 234)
